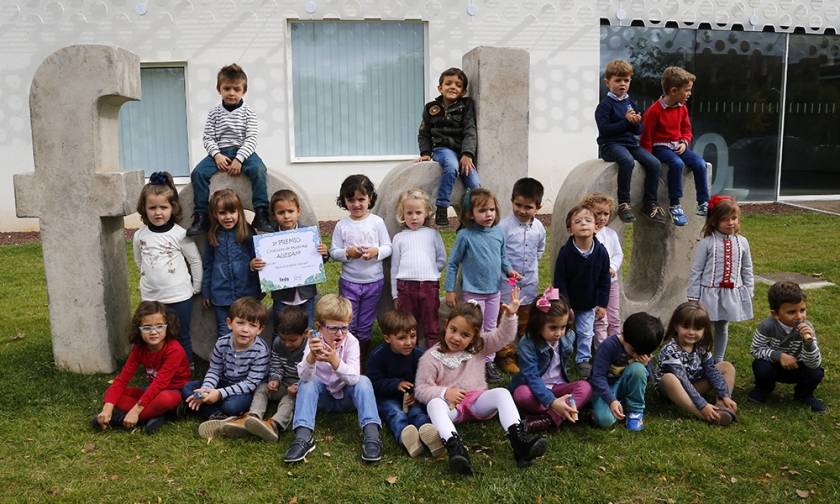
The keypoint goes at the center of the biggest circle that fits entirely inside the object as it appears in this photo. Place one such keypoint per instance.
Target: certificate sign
(291, 259)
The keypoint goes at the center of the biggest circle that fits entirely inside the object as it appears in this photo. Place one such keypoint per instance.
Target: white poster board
(291, 258)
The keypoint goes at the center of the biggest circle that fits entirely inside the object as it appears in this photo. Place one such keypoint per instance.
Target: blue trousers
(183, 310)
(233, 405)
(448, 161)
(391, 412)
(313, 396)
(629, 389)
(676, 165)
(221, 314)
(585, 331)
(253, 168)
(768, 373)
(625, 157)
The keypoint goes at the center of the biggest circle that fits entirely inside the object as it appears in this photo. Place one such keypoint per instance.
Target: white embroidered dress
(722, 277)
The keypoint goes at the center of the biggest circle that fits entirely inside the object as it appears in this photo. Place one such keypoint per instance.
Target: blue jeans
(233, 405)
(313, 396)
(625, 157)
(629, 389)
(253, 168)
(448, 161)
(183, 310)
(768, 373)
(277, 307)
(676, 165)
(585, 330)
(221, 313)
(391, 412)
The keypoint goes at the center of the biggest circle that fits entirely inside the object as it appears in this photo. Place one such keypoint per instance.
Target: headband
(544, 301)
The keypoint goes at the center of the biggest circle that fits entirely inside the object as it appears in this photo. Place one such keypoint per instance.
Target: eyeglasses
(158, 328)
(337, 329)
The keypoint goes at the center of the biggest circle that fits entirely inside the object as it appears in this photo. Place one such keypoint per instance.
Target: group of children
(316, 359)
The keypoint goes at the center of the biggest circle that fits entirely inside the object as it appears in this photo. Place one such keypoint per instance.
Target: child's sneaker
(702, 209)
(625, 213)
(371, 445)
(815, 404)
(262, 222)
(430, 437)
(584, 370)
(757, 396)
(301, 446)
(635, 422)
(213, 427)
(492, 373)
(655, 213)
(234, 428)
(442, 216)
(200, 224)
(678, 215)
(410, 439)
(153, 425)
(266, 430)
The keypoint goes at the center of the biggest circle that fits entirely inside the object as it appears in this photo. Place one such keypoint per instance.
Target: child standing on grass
(603, 207)
(686, 369)
(228, 274)
(722, 272)
(360, 242)
(154, 345)
(418, 256)
(169, 262)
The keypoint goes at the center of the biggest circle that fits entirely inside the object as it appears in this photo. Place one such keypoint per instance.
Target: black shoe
(625, 213)
(200, 224)
(94, 422)
(371, 445)
(757, 396)
(459, 460)
(299, 449)
(261, 221)
(540, 423)
(815, 404)
(154, 424)
(655, 213)
(526, 446)
(492, 373)
(181, 411)
(442, 216)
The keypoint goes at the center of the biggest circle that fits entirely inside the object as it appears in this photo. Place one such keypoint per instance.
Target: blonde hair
(333, 307)
(415, 194)
(592, 199)
(676, 77)
(618, 68)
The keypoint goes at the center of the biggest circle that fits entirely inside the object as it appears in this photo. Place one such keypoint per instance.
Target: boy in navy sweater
(582, 274)
(391, 368)
(619, 124)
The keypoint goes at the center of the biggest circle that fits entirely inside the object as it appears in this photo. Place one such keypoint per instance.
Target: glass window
(357, 87)
(153, 131)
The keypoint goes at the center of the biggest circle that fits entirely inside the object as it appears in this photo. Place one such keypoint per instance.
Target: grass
(48, 452)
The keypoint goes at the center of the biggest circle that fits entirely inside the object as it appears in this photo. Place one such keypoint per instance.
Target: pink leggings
(611, 323)
(489, 304)
(580, 390)
(166, 400)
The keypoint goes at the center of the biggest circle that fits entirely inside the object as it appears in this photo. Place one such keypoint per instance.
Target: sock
(370, 431)
(304, 433)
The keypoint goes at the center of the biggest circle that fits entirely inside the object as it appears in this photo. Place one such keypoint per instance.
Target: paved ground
(832, 207)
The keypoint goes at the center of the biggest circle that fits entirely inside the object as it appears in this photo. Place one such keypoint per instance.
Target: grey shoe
(584, 370)
(371, 445)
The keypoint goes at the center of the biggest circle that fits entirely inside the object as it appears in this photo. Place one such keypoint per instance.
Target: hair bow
(544, 302)
(158, 178)
(717, 198)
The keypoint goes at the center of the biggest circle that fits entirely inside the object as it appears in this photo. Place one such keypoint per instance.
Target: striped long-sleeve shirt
(284, 362)
(238, 373)
(235, 128)
(771, 339)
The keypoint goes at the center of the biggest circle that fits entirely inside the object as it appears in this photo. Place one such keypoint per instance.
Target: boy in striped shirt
(230, 138)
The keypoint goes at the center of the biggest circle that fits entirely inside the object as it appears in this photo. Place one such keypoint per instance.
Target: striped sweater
(771, 339)
(235, 128)
(238, 373)
(284, 362)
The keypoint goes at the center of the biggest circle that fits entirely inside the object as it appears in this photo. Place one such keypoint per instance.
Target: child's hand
(322, 249)
(600, 311)
(512, 307)
(616, 410)
(130, 420)
(642, 359)
(451, 300)
(292, 389)
(563, 408)
(205, 302)
(710, 413)
(424, 158)
(727, 402)
(193, 402)
(257, 264)
(213, 396)
(788, 361)
(353, 252)
(806, 332)
(612, 273)
(515, 275)
(370, 253)
(454, 396)
(222, 162)
(104, 416)
(467, 165)
(405, 386)
(680, 148)
(234, 168)
(273, 385)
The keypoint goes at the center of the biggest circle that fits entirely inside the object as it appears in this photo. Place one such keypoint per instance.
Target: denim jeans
(391, 412)
(585, 330)
(233, 405)
(449, 164)
(313, 396)
(768, 373)
(253, 168)
(183, 310)
(221, 314)
(277, 307)
(625, 157)
(629, 389)
(676, 165)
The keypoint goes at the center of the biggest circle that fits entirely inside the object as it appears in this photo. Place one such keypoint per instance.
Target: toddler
(603, 207)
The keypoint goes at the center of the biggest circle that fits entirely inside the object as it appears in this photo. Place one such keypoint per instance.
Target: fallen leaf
(114, 477)
(817, 462)
(392, 480)
(602, 468)
(327, 454)
(803, 494)
(293, 500)
(88, 447)
(19, 335)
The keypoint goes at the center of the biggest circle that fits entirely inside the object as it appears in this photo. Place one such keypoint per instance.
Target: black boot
(459, 460)
(200, 224)
(526, 447)
(540, 423)
(261, 221)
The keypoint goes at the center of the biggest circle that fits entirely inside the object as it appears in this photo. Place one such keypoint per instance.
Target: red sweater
(665, 124)
(166, 369)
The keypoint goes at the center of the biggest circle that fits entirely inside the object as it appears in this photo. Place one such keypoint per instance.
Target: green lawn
(49, 453)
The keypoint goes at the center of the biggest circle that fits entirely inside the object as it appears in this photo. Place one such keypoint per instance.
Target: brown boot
(234, 428)
(506, 359)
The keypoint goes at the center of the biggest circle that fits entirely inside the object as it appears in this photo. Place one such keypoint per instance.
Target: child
(479, 250)
(524, 246)
(230, 138)
(619, 125)
(447, 135)
(417, 257)
(686, 370)
(286, 352)
(228, 274)
(360, 242)
(582, 274)
(620, 373)
(542, 387)
(391, 369)
(667, 134)
(153, 335)
(785, 349)
(285, 209)
(238, 365)
(169, 262)
(450, 380)
(603, 207)
(722, 273)
(330, 381)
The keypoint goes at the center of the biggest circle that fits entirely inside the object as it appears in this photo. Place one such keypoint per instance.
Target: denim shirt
(524, 245)
(534, 359)
(227, 271)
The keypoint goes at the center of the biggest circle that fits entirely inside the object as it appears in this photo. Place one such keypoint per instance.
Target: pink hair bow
(544, 302)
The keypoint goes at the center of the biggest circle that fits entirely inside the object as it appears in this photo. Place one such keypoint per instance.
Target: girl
(169, 262)
(360, 242)
(542, 387)
(603, 207)
(417, 258)
(722, 273)
(153, 335)
(479, 251)
(229, 264)
(450, 380)
(686, 371)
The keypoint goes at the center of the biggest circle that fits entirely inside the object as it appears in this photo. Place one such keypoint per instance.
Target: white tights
(490, 401)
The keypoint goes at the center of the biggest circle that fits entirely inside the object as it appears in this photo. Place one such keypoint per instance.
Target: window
(153, 131)
(357, 88)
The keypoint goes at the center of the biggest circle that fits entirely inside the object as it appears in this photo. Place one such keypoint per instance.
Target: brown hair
(228, 201)
(284, 195)
(475, 199)
(396, 321)
(690, 314)
(675, 77)
(528, 188)
(596, 198)
(160, 184)
(471, 312)
(574, 211)
(537, 318)
(618, 68)
(232, 72)
(291, 320)
(454, 71)
(785, 292)
(248, 308)
(146, 308)
(415, 194)
(723, 208)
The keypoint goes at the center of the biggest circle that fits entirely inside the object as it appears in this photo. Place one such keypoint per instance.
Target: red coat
(166, 369)
(665, 124)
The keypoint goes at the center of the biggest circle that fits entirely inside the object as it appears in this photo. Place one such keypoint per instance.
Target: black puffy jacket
(452, 127)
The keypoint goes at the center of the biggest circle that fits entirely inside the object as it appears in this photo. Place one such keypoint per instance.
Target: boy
(237, 366)
(330, 381)
(667, 134)
(230, 138)
(785, 348)
(582, 274)
(621, 372)
(524, 246)
(619, 125)
(391, 368)
(286, 353)
(447, 135)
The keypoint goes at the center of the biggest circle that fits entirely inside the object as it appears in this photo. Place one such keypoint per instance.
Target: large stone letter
(81, 196)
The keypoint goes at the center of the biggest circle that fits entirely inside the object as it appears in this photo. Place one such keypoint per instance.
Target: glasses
(337, 329)
(158, 328)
